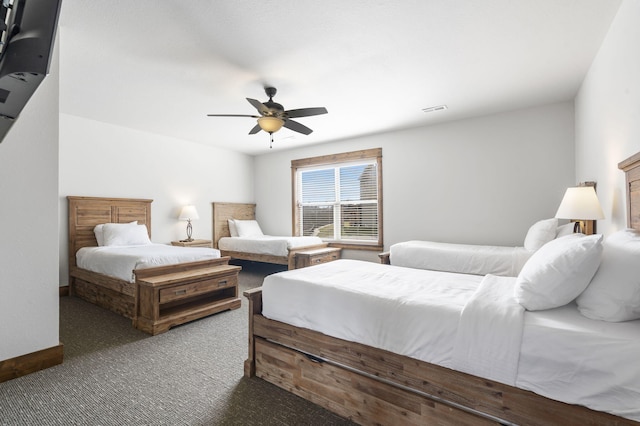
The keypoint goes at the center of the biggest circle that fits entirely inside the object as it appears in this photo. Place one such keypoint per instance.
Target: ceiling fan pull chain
(271, 144)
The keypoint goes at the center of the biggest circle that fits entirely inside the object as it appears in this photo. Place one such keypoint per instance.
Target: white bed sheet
(120, 262)
(413, 312)
(594, 363)
(266, 244)
(489, 333)
(460, 258)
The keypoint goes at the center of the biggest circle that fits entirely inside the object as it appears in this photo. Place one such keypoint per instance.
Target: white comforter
(417, 313)
(487, 341)
(266, 244)
(460, 258)
(120, 262)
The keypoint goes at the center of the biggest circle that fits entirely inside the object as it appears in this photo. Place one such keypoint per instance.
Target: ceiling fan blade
(232, 115)
(297, 127)
(262, 109)
(305, 112)
(255, 129)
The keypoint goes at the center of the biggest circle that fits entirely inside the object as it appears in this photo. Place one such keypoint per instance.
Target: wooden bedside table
(317, 256)
(194, 243)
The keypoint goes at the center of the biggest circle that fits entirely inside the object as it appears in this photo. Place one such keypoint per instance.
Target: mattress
(121, 261)
(266, 244)
(563, 355)
(461, 258)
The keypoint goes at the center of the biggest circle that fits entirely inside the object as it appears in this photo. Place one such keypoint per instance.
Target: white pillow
(232, 228)
(614, 292)
(120, 234)
(248, 228)
(99, 233)
(558, 272)
(540, 233)
(564, 230)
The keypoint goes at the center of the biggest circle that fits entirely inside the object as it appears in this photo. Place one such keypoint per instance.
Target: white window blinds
(339, 202)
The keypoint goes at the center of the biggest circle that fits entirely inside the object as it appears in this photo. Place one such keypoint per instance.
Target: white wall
(479, 181)
(608, 114)
(29, 225)
(104, 160)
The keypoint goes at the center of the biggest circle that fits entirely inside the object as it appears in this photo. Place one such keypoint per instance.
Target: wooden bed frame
(222, 212)
(374, 386)
(161, 297)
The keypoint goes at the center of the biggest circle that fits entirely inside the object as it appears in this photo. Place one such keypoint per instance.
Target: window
(339, 198)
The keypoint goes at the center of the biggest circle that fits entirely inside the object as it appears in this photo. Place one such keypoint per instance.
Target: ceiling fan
(273, 116)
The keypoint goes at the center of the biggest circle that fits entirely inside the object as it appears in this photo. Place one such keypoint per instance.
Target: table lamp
(188, 213)
(580, 204)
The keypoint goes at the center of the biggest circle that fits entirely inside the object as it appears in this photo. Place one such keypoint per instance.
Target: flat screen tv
(28, 31)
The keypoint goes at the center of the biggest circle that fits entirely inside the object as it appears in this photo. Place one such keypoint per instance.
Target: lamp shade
(580, 203)
(270, 124)
(188, 213)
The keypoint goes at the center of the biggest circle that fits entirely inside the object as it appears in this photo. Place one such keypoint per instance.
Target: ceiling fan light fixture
(270, 124)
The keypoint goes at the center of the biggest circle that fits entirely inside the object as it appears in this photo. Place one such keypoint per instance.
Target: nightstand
(317, 256)
(194, 243)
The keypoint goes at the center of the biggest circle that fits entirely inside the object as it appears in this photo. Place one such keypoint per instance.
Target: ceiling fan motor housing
(275, 107)
(270, 91)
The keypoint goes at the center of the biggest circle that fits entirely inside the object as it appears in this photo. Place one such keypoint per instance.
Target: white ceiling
(161, 66)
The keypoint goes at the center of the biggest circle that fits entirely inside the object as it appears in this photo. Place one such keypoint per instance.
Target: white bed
(121, 261)
(461, 258)
(564, 336)
(560, 353)
(238, 235)
(105, 230)
(266, 244)
(476, 259)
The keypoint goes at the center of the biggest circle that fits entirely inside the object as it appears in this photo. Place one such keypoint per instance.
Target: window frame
(336, 160)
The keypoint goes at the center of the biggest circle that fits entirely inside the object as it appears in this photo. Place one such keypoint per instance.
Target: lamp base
(586, 227)
(577, 227)
(189, 231)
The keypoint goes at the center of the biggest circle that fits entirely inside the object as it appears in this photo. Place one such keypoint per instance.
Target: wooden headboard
(87, 212)
(631, 167)
(225, 211)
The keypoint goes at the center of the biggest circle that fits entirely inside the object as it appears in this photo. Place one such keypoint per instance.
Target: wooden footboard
(278, 260)
(373, 386)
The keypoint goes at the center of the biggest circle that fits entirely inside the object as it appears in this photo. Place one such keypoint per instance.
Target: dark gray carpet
(114, 374)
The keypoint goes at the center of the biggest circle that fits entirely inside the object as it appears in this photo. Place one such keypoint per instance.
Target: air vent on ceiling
(435, 108)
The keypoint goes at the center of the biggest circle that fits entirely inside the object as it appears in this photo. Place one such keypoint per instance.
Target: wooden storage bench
(168, 299)
(315, 257)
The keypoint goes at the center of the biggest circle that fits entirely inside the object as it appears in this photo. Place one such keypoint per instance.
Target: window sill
(366, 247)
